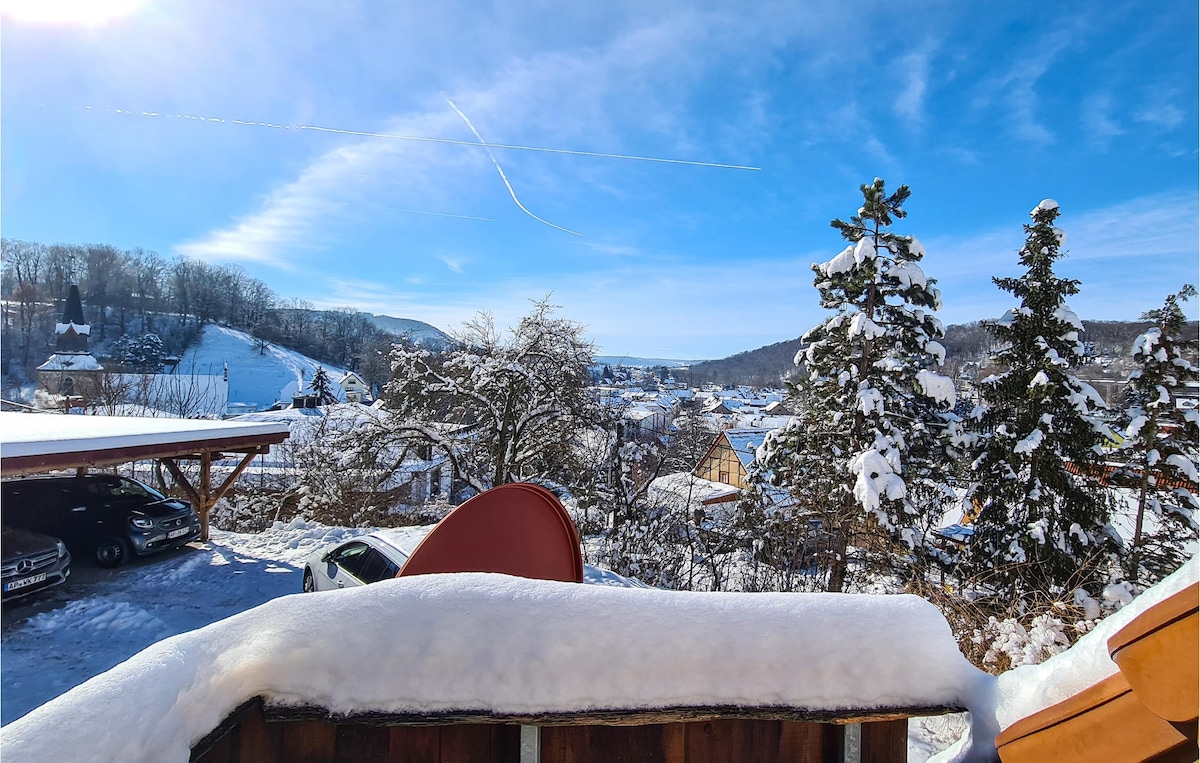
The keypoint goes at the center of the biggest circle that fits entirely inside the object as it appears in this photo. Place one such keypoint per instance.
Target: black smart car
(101, 516)
(31, 562)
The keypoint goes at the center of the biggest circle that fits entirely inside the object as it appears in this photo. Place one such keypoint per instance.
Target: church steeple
(72, 334)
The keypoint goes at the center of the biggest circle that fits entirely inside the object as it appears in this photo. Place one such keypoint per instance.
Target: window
(351, 557)
(723, 477)
(376, 567)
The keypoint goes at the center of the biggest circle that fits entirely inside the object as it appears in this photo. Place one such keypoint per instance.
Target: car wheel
(310, 585)
(111, 552)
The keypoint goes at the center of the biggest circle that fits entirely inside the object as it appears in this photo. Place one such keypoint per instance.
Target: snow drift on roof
(498, 644)
(745, 443)
(71, 361)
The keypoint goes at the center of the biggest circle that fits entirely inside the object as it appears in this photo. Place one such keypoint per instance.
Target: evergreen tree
(322, 387)
(1041, 525)
(865, 454)
(1160, 446)
(144, 353)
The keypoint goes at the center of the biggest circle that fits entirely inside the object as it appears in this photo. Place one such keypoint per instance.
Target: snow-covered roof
(30, 435)
(83, 329)
(689, 488)
(341, 417)
(504, 646)
(71, 361)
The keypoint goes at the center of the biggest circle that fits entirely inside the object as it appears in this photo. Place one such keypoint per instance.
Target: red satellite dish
(516, 529)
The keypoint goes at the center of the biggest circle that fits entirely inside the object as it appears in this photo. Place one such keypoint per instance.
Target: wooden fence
(273, 735)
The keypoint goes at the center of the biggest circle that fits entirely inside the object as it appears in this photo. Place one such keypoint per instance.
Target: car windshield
(128, 487)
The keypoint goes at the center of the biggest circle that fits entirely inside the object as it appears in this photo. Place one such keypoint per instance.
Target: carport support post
(205, 490)
(203, 497)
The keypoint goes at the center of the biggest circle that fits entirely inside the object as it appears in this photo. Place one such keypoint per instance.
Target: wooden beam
(182, 480)
(237, 472)
(613, 717)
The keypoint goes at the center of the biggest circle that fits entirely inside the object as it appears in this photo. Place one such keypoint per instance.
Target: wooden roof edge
(612, 716)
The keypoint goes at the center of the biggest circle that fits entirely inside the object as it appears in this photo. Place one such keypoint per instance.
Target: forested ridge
(140, 292)
(134, 293)
(966, 342)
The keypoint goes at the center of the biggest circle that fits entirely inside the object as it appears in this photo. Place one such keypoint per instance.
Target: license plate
(14, 585)
(179, 533)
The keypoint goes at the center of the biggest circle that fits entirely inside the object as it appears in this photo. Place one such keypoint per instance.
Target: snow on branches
(873, 408)
(1041, 524)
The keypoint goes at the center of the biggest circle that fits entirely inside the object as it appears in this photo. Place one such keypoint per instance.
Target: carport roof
(31, 443)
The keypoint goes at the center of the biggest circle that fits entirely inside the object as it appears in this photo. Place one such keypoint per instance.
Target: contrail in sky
(440, 214)
(503, 177)
(425, 139)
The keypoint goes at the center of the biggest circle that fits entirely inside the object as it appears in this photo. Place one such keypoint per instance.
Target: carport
(32, 443)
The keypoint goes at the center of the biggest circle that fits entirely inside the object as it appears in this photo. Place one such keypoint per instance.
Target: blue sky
(982, 109)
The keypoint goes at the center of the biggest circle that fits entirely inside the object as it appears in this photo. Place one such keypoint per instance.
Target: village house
(712, 489)
(357, 390)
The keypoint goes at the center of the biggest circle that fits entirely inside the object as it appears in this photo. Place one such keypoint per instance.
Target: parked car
(31, 562)
(101, 516)
(365, 559)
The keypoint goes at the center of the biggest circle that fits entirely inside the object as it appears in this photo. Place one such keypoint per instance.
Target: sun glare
(83, 12)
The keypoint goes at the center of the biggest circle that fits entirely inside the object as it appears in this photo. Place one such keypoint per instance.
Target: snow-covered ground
(256, 379)
(100, 618)
(104, 618)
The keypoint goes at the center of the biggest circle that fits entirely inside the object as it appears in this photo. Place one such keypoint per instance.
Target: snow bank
(508, 645)
(1023, 691)
(1030, 688)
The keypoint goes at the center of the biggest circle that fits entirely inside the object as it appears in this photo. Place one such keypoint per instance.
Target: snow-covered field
(255, 379)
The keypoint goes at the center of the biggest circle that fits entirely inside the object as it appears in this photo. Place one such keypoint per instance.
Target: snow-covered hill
(418, 332)
(257, 379)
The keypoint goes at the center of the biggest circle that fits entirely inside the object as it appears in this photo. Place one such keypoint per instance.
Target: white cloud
(452, 263)
(1098, 119)
(1167, 116)
(910, 103)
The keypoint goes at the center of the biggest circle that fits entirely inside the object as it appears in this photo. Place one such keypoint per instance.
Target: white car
(362, 560)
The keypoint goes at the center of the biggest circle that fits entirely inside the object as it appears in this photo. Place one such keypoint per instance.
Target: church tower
(71, 335)
(71, 371)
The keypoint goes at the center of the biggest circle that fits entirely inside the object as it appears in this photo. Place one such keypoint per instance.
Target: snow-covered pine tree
(865, 454)
(1041, 524)
(1160, 446)
(322, 387)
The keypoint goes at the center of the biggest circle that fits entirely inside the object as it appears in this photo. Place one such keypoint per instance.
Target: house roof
(745, 443)
(687, 487)
(71, 361)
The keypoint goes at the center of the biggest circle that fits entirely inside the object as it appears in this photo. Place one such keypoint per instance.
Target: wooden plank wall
(250, 738)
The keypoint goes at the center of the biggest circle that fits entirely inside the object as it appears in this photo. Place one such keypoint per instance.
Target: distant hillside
(767, 366)
(632, 362)
(418, 332)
